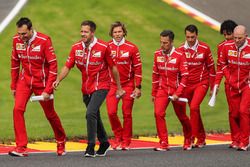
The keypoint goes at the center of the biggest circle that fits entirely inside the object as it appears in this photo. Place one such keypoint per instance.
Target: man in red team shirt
(127, 59)
(34, 51)
(227, 28)
(92, 58)
(235, 63)
(169, 79)
(201, 76)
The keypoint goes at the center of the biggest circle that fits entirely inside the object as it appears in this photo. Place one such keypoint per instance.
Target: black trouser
(94, 123)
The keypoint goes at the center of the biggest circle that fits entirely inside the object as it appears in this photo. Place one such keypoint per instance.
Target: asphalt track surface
(210, 156)
(5, 7)
(220, 10)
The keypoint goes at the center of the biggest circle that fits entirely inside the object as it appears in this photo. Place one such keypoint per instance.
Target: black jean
(95, 126)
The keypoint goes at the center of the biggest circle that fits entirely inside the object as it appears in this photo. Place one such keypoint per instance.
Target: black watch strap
(138, 86)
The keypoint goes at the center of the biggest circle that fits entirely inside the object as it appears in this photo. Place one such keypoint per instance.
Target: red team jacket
(200, 63)
(169, 72)
(219, 72)
(38, 60)
(127, 59)
(235, 64)
(93, 62)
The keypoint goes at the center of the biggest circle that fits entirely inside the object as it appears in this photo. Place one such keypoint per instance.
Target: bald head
(240, 29)
(240, 35)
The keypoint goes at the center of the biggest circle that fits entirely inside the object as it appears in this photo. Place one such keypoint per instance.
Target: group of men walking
(113, 71)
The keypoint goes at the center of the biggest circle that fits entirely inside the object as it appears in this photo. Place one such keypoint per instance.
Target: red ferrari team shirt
(200, 63)
(93, 62)
(38, 61)
(169, 72)
(127, 59)
(235, 63)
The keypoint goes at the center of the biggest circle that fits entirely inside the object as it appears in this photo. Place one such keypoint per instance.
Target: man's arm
(119, 92)
(224, 63)
(52, 75)
(15, 68)
(211, 69)
(219, 72)
(66, 68)
(155, 79)
(137, 67)
(64, 72)
(183, 67)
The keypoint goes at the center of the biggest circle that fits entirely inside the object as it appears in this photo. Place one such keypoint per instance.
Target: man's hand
(175, 97)
(153, 99)
(13, 92)
(45, 96)
(215, 88)
(137, 93)
(56, 84)
(64, 72)
(120, 92)
(211, 92)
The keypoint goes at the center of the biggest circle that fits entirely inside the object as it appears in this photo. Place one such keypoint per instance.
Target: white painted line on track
(195, 12)
(12, 14)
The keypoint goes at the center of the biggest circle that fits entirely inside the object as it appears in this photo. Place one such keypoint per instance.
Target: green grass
(61, 20)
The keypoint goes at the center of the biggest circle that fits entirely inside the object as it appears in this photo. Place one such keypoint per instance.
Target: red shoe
(187, 144)
(19, 152)
(61, 148)
(163, 146)
(200, 143)
(242, 147)
(234, 145)
(192, 142)
(125, 147)
(116, 145)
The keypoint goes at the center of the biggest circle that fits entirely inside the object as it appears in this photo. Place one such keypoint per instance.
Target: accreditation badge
(20, 46)
(160, 59)
(232, 53)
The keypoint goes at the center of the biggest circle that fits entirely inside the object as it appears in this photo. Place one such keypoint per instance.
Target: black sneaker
(90, 151)
(103, 149)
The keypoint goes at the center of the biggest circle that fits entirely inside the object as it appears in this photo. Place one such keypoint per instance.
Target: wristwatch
(138, 86)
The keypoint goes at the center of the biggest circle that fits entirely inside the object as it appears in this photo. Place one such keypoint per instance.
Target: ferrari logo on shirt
(97, 54)
(246, 56)
(199, 56)
(37, 48)
(20, 46)
(126, 54)
(160, 59)
(79, 53)
(232, 53)
(188, 55)
(173, 61)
